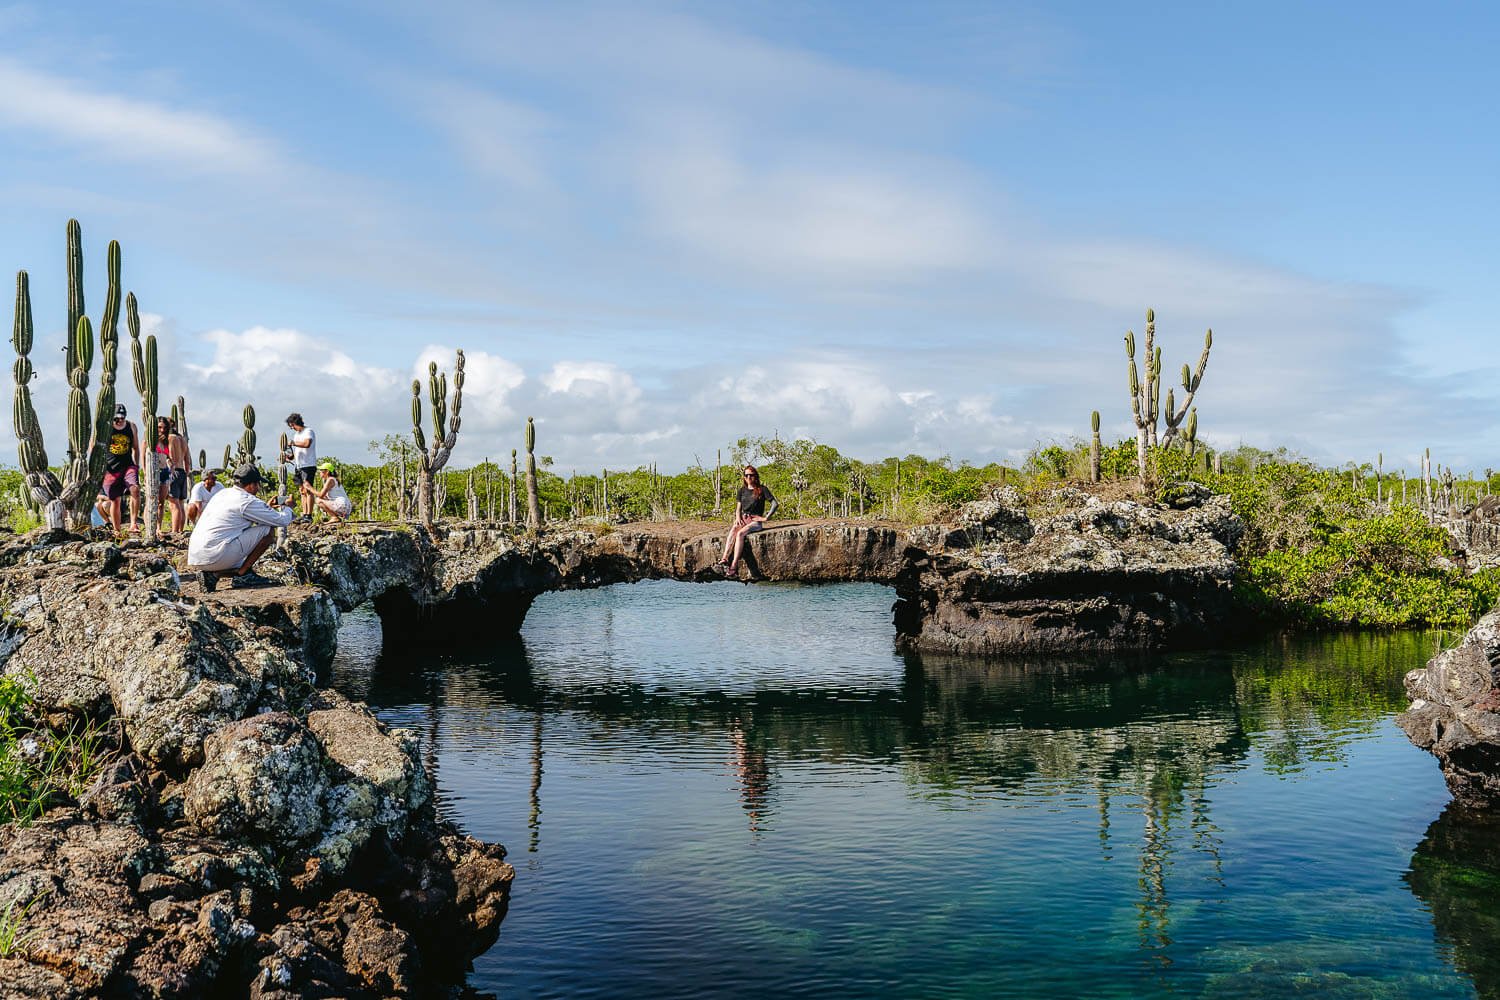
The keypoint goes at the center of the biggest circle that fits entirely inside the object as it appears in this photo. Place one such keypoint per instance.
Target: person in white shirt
(304, 458)
(202, 493)
(330, 498)
(234, 531)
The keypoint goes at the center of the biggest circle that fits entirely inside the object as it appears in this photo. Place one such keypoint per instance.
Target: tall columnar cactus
(1190, 434)
(144, 368)
(104, 403)
(1095, 447)
(1145, 396)
(513, 481)
(281, 464)
(533, 508)
(228, 464)
(430, 460)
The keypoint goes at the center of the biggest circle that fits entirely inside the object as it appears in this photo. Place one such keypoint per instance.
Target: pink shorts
(116, 483)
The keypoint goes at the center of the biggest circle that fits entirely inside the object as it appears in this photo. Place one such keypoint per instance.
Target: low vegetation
(39, 765)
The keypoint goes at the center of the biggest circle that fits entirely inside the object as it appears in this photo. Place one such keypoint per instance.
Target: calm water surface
(716, 790)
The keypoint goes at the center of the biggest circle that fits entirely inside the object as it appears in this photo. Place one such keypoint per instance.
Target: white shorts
(236, 550)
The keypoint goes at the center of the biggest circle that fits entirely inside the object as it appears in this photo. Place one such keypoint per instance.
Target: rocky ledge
(1075, 573)
(252, 835)
(1455, 713)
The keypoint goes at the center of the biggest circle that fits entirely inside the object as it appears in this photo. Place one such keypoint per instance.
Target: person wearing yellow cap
(330, 497)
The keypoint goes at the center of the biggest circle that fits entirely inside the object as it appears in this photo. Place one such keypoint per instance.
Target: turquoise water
(717, 790)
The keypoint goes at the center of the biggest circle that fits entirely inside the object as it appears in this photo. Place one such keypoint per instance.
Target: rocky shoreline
(1455, 713)
(254, 835)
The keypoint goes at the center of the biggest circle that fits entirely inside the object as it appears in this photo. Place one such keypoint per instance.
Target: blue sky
(891, 227)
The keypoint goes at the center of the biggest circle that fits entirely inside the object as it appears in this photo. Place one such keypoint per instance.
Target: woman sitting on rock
(752, 515)
(330, 498)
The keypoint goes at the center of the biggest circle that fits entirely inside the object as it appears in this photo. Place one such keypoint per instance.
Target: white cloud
(127, 128)
(838, 215)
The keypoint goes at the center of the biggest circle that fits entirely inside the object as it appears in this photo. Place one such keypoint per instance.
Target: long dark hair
(760, 491)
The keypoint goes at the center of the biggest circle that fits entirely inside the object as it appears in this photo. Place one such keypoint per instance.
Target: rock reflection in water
(987, 753)
(1456, 872)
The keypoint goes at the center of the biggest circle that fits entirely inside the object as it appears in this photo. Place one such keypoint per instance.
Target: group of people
(235, 529)
(232, 526)
(185, 503)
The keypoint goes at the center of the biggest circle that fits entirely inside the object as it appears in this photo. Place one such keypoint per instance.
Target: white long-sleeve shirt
(232, 513)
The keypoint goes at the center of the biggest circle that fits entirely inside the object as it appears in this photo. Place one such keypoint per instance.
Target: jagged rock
(376, 780)
(1091, 576)
(121, 792)
(263, 777)
(1455, 713)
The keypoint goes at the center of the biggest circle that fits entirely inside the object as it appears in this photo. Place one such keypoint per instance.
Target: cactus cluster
(431, 459)
(88, 433)
(1145, 396)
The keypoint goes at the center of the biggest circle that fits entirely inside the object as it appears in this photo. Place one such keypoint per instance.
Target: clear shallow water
(725, 791)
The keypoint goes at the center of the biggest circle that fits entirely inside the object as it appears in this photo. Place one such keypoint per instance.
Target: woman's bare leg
(729, 541)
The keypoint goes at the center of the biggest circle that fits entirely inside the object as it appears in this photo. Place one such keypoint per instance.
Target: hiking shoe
(250, 580)
(208, 580)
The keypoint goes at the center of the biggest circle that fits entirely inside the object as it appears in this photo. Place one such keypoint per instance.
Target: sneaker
(250, 580)
(208, 580)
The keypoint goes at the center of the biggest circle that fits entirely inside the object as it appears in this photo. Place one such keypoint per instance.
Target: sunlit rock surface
(1455, 713)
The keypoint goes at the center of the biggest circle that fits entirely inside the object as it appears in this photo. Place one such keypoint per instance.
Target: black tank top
(121, 448)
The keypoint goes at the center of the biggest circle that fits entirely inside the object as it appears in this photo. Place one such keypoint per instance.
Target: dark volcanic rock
(1455, 713)
(164, 882)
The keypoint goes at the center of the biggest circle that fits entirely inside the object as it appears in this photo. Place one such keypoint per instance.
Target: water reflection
(1169, 758)
(1456, 872)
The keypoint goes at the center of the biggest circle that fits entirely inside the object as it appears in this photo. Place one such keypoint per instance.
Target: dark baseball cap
(120, 410)
(246, 475)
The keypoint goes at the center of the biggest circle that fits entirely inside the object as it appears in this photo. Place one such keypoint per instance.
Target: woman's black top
(750, 504)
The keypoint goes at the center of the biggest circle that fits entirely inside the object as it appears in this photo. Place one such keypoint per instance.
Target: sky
(658, 228)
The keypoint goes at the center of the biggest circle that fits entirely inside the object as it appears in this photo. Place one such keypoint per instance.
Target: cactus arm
(75, 285)
(1190, 384)
(41, 485)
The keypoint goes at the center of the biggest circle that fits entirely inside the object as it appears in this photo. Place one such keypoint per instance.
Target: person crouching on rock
(330, 498)
(750, 518)
(234, 531)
